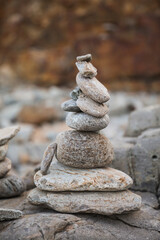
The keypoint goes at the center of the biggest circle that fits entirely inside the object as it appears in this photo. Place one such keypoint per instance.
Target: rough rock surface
(9, 214)
(143, 119)
(105, 203)
(83, 149)
(39, 223)
(3, 151)
(62, 178)
(93, 89)
(5, 166)
(86, 122)
(70, 106)
(11, 186)
(86, 69)
(7, 133)
(87, 105)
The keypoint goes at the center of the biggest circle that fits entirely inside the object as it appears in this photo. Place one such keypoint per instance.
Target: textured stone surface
(47, 157)
(11, 186)
(7, 133)
(93, 89)
(86, 122)
(70, 106)
(39, 223)
(89, 106)
(3, 152)
(86, 69)
(5, 166)
(105, 203)
(9, 214)
(83, 149)
(143, 119)
(62, 178)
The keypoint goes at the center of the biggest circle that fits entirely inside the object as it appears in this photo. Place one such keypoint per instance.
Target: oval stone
(83, 150)
(84, 122)
(5, 167)
(70, 106)
(89, 106)
(93, 89)
(63, 178)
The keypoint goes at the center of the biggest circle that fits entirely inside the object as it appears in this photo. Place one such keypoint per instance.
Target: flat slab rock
(85, 122)
(5, 167)
(8, 133)
(93, 89)
(11, 186)
(89, 106)
(105, 203)
(83, 149)
(9, 214)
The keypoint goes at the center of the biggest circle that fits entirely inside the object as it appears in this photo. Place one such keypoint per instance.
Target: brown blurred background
(39, 41)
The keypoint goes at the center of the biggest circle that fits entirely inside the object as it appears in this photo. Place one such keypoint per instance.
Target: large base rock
(105, 203)
(62, 178)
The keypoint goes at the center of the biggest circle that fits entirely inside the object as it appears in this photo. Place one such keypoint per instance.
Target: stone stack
(10, 184)
(80, 179)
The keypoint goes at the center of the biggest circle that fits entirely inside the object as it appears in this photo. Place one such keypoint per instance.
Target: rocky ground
(136, 140)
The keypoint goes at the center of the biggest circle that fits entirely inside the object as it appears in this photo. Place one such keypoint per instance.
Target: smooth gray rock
(3, 152)
(87, 105)
(47, 157)
(75, 93)
(85, 122)
(9, 214)
(5, 167)
(83, 149)
(8, 133)
(105, 203)
(70, 106)
(87, 58)
(143, 119)
(153, 132)
(62, 178)
(86, 69)
(93, 89)
(11, 186)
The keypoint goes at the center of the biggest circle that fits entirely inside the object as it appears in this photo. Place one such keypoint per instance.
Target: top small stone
(8, 133)
(86, 58)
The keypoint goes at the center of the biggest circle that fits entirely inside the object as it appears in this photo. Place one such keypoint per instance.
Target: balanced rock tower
(78, 178)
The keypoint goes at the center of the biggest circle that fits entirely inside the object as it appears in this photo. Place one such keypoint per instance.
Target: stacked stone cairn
(10, 184)
(79, 178)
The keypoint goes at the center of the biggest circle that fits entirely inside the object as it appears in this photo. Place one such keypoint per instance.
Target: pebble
(11, 186)
(7, 133)
(86, 69)
(63, 178)
(3, 152)
(47, 158)
(93, 89)
(83, 149)
(9, 214)
(105, 203)
(89, 106)
(85, 122)
(75, 93)
(87, 58)
(70, 106)
(5, 167)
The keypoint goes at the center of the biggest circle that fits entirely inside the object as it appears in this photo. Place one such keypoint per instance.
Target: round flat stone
(11, 186)
(87, 105)
(93, 89)
(3, 152)
(8, 133)
(5, 167)
(106, 203)
(70, 106)
(62, 178)
(9, 214)
(83, 149)
(85, 122)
